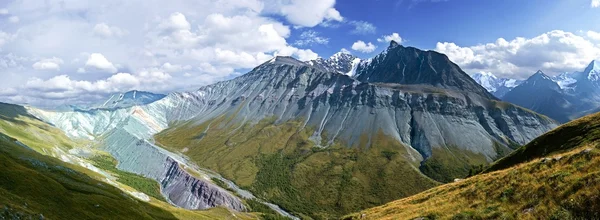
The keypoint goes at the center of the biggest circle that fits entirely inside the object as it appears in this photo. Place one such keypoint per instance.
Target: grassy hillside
(556, 176)
(40, 136)
(583, 131)
(278, 162)
(34, 185)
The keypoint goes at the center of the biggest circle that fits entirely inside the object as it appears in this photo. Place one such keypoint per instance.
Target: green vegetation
(574, 134)
(40, 136)
(266, 212)
(556, 176)
(278, 162)
(32, 185)
(450, 163)
(139, 183)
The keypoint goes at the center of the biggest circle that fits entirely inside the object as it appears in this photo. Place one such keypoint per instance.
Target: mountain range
(311, 140)
(564, 97)
(320, 139)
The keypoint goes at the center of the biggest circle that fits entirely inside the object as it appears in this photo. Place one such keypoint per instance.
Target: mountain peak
(540, 75)
(393, 44)
(412, 66)
(593, 71)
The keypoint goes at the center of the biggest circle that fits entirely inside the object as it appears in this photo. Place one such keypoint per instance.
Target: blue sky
(464, 22)
(56, 52)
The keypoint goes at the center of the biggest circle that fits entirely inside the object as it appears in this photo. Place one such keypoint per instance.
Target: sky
(57, 52)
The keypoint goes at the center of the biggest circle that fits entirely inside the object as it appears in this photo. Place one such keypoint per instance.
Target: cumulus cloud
(99, 62)
(104, 30)
(310, 13)
(310, 37)
(595, 3)
(554, 52)
(3, 11)
(593, 35)
(63, 87)
(48, 64)
(363, 27)
(388, 38)
(363, 47)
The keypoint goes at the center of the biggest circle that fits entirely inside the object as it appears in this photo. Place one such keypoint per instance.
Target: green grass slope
(278, 162)
(556, 176)
(577, 133)
(34, 185)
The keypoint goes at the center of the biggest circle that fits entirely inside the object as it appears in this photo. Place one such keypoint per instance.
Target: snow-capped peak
(340, 62)
(488, 80)
(593, 71)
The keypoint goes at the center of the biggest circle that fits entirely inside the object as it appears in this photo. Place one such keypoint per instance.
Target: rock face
(192, 193)
(409, 65)
(341, 62)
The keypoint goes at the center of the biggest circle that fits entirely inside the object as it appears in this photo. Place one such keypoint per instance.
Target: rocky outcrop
(192, 193)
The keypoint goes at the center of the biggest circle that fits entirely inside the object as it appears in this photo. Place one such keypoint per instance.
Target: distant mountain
(543, 95)
(564, 97)
(129, 99)
(497, 86)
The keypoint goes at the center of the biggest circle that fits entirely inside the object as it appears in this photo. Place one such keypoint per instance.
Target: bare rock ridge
(409, 65)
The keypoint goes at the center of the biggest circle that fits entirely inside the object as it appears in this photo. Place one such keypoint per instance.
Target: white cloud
(303, 55)
(99, 62)
(363, 27)
(104, 30)
(177, 21)
(3, 11)
(310, 13)
(14, 19)
(48, 64)
(346, 51)
(593, 35)
(310, 37)
(554, 52)
(595, 3)
(363, 47)
(392, 37)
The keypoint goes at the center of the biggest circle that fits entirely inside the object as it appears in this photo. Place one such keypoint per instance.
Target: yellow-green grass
(580, 132)
(568, 188)
(137, 182)
(35, 184)
(280, 163)
(16, 122)
(449, 163)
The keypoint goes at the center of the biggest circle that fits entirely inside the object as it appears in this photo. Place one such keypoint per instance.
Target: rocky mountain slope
(556, 176)
(541, 94)
(317, 142)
